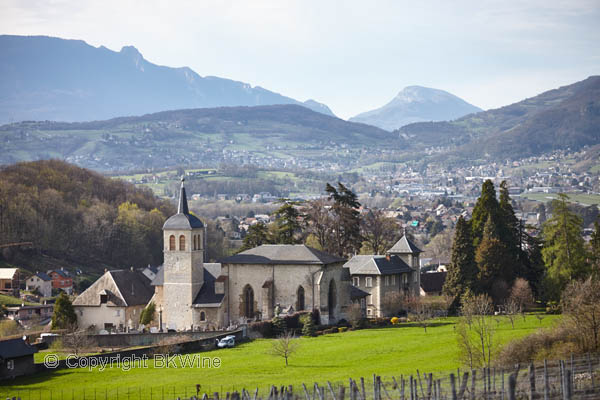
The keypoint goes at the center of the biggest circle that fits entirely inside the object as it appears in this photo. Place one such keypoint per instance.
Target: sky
(353, 56)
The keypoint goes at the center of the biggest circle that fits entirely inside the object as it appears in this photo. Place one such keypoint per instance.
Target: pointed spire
(183, 206)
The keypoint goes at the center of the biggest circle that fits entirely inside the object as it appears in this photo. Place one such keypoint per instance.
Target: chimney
(387, 256)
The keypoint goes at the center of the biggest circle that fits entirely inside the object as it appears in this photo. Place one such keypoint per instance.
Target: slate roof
(159, 279)
(432, 282)
(207, 296)
(282, 254)
(13, 348)
(377, 265)
(183, 220)
(7, 273)
(61, 272)
(124, 288)
(403, 246)
(43, 276)
(356, 293)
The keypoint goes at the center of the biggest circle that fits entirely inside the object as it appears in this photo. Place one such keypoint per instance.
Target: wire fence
(574, 378)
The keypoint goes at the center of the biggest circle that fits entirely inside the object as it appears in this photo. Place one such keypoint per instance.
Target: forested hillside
(79, 217)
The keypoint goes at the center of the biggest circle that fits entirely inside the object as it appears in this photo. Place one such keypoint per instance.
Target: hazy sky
(351, 55)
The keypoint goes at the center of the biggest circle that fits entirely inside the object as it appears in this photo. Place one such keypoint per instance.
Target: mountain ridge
(49, 78)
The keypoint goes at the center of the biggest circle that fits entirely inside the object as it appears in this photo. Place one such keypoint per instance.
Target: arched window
(172, 242)
(202, 316)
(331, 299)
(300, 299)
(181, 243)
(248, 302)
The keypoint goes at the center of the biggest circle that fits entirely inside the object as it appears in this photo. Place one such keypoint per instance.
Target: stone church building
(249, 286)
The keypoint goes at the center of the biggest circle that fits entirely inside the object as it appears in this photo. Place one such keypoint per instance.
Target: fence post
(303, 387)
(531, 381)
(562, 377)
(375, 395)
(453, 386)
(412, 395)
(569, 391)
(342, 392)
(330, 388)
(512, 386)
(591, 371)
(463, 385)
(473, 377)
(402, 391)
(546, 382)
(362, 387)
(429, 383)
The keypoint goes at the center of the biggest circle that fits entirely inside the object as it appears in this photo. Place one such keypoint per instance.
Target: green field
(335, 357)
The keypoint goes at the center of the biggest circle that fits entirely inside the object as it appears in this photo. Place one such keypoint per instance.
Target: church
(249, 286)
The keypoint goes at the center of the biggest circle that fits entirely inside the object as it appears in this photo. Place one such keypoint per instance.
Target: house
(40, 312)
(190, 294)
(114, 302)
(41, 282)
(16, 358)
(396, 272)
(61, 280)
(432, 283)
(9, 281)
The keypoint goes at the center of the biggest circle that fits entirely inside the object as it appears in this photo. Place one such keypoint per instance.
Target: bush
(265, 328)
(308, 328)
(395, 321)
(342, 329)
(279, 325)
(294, 321)
(380, 321)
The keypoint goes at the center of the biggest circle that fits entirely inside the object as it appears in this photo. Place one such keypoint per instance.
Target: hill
(182, 137)
(416, 104)
(78, 217)
(567, 117)
(46, 78)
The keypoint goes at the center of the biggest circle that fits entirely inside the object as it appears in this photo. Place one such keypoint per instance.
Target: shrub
(342, 329)
(265, 328)
(395, 320)
(308, 328)
(279, 325)
(294, 321)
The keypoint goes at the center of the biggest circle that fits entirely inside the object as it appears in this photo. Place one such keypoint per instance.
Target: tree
(257, 235)
(287, 223)
(378, 231)
(76, 340)
(419, 311)
(581, 305)
(148, 313)
(357, 317)
(64, 316)
(392, 303)
(476, 336)
(563, 252)
(510, 226)
(494, 261)
(319, 223)
(486, 206)
(595, 247)
(521, 294)
(462, 271)
(308, 325)
(346, 223)
(284, 346)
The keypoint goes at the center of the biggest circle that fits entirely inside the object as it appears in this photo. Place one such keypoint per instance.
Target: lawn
(335, 357)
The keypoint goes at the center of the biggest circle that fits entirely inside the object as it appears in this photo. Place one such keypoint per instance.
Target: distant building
(41, 282)
(42, 312)
(432, 283)
(9, 281)
(61, 280)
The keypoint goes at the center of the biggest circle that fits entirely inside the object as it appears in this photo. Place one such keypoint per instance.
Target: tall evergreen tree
(564, 252)
(258, 234)
(532, 267)
(287, 223)
(462, 272)
(510, 226)
(486, 205)
(494, 261)
(64, 316)
(346, 230)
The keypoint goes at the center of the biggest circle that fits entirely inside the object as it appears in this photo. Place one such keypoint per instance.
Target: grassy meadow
(389, 351)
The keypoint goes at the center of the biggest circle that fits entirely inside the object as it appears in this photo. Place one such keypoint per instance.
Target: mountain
(416, 104)
(567, 117)
(46, 78)
(262, 135)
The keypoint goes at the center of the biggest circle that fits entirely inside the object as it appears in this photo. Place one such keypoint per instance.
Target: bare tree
(419, 311)
(476, 339)
(284, 346)
(581, 306)
(521, 294)
(511, 309)
(379, 232)
(319, 221)
(76, 340)
(440, 246)
(466, 349)
(391, 303)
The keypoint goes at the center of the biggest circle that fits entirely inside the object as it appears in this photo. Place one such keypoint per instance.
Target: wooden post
(546, 382)
(429, 384)
(362, 388)
(375, 394)
(463, 385)
(484, 383)
(382, 385)
(531, 381)
(453, 386)
(591, 371)
(331, 390)
(502, 388)
(562, 377)
(512, 386)
(572, 372)
(420, 383)
(412, 395)
(473, 378)
(494, 381)
(305, 391)
(342, 392)
(402, 391)
(569, 379)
